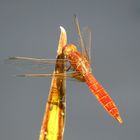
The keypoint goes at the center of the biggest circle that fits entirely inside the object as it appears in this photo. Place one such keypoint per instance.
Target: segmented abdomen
(82, 65)
(102, 96)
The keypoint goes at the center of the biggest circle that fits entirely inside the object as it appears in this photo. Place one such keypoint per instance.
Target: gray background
(31, 28)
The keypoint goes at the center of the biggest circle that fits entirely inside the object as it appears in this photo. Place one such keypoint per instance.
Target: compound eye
(68, 49)
(73, 47)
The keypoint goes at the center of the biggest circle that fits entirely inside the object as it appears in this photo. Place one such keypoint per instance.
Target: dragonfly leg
(68, 68)
(68, 65)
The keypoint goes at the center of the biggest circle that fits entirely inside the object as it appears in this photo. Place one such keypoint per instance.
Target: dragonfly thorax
(68, 49)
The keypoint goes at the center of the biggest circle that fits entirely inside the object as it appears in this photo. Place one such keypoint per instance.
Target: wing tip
(12, 58)
(21, 75)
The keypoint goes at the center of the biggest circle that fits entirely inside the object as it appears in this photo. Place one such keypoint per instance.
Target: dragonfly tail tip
(119, 119)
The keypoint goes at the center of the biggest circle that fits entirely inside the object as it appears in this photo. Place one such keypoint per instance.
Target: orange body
(81, 65)
(102, 96)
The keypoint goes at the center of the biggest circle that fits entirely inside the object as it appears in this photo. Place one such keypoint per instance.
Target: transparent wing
(84, 39)
(34, 64)
(79, 33)
(31, 64)
(72, 76)
(86, 36)
(30, 60)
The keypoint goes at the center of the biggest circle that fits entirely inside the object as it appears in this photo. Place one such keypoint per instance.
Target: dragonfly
(81, 64)
(80, 69)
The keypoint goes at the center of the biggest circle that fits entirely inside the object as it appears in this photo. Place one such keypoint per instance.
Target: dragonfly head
(68, 49)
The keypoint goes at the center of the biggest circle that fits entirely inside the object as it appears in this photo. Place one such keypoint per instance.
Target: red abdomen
(82, 65)
(102, 96)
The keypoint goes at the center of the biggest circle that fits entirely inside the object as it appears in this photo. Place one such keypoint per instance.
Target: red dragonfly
(80, 64)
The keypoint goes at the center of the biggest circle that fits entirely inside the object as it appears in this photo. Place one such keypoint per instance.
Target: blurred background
(31, 28)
